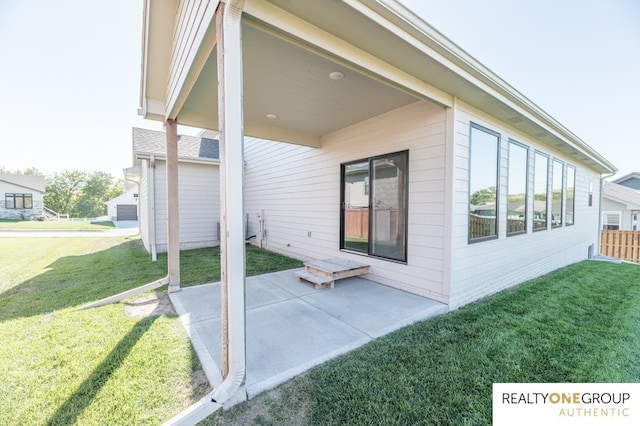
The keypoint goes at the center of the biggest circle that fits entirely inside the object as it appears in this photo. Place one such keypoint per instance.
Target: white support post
(173, 219)
(232, 225)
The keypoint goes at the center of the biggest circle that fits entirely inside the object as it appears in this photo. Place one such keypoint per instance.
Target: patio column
(173, 224)
(232, 222)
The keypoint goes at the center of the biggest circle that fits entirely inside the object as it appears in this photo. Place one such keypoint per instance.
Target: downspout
(152, 208)
(229, 35)
(599, 241)
(232, 225)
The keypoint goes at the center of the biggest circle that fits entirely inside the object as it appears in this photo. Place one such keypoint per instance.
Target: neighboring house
(620, 207)
(631, 180)
(199, 205)
(398, 149)
(124, 206)
(22, 196)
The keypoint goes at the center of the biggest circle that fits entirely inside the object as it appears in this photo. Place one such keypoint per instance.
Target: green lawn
(101, 366)
(55, 225)
(578, 324)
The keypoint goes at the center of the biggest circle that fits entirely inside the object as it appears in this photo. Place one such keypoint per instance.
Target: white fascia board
(145, 52)
(464, 65)
(322, 41)
(181, 159)
(153, 109)
(186, 73)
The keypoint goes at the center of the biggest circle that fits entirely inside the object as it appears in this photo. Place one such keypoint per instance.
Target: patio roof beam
(173, 219)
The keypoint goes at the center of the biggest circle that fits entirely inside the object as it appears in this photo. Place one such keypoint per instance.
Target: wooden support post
(173, 218)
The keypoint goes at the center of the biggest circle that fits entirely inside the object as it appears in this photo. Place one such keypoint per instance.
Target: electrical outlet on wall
(309, 234)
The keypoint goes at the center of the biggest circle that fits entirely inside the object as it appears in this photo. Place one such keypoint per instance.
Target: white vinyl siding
(199, 205)
(191, 23)
(481, 269)
(299, 190)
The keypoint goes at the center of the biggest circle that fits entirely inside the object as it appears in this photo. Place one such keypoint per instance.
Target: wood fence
(624, 245)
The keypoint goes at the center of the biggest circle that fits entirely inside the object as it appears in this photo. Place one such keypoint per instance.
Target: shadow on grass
(74, 406)
(75, 280)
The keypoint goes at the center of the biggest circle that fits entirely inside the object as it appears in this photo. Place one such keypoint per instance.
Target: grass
(59, 365)
(577, 324)
(56, 225)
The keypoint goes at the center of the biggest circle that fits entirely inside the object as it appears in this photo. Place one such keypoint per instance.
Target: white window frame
(610, 214)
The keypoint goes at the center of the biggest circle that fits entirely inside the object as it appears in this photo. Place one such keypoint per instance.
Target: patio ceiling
(285, 80)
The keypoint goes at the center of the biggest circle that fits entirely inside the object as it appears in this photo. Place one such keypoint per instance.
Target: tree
(484, 196)
(31, 171)
(98, 188)
(63, 189)
(80, 194)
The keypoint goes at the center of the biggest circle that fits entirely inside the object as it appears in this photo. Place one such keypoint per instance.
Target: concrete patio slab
(292, 327)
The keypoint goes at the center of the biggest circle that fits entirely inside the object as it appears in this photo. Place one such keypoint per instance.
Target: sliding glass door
(374, 206)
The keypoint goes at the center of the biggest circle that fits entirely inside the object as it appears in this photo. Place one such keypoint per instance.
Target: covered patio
(291, 326)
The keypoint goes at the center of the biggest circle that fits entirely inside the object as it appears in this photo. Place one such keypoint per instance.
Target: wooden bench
(323, 273)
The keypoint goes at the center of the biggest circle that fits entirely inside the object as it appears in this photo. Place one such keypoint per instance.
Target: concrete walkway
(292, 327)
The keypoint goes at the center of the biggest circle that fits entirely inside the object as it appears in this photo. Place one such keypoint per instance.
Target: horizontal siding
(299, 190)
(192, 20)
(199, 205)
(483, 268)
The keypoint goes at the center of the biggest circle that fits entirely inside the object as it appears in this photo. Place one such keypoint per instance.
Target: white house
(199, 190)
(404, 97)
(22, 196)
(124, 206)
(620, 207)
(397, 149)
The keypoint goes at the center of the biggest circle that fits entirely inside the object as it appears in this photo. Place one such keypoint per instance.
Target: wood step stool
(323, 273)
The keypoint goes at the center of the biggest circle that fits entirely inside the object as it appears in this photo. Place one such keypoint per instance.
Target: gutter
(599, 240)
(152, 208)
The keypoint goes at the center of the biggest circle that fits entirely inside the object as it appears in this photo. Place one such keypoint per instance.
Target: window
(571, 195)
(556, 193)
(374, 203)
(484, 150)
(611, 221)
(18, 201)
(517, 188)
(540, 189)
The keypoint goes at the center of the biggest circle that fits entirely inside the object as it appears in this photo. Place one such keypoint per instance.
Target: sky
(70, 73)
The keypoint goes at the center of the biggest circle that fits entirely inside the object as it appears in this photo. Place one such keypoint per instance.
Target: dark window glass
(374, 206)
(540, 189)
(18, 201)
(484, 148)
(517, 188)
(557, 195)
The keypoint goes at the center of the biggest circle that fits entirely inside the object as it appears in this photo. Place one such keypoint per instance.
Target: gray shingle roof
(36, 183)
(153, 142)
(621, 193)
